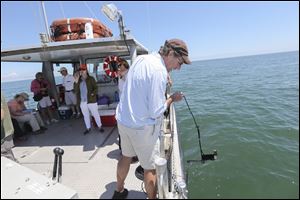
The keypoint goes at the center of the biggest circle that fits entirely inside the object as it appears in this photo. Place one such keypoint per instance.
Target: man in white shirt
(70, 98)
(140, 111)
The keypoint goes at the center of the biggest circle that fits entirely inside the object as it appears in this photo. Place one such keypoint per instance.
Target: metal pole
(54, 167)
(55, 151)
(121, 26)
(45, 19)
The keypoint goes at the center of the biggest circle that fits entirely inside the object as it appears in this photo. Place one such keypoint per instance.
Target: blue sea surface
(247, 109)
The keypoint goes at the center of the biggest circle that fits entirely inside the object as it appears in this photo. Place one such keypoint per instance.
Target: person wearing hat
(140, 111)
(25, 96)
(86, 92)
(34, 112)
(70, 98)
(16, 109)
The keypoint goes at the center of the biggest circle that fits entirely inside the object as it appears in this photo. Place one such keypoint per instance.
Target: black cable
(204, 157)
(196, 126)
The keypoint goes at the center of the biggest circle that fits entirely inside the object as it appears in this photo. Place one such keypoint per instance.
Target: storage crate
(64, 112)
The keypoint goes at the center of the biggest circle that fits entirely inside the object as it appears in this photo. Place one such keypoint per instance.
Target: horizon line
(207, 59)
(237, 56)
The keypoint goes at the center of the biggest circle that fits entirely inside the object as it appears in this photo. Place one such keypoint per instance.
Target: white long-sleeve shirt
(121, 84)
(143, 99)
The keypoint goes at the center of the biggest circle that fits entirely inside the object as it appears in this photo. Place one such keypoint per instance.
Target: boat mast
(45, 20)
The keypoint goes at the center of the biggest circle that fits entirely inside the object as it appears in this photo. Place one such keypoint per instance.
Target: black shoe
(38, 132)
(86, 131)
(120, 195)
(43, 128)
(134, 159)
(139, 172)
(101, 130)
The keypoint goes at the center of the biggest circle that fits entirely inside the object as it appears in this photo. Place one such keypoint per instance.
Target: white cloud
(10, 75)
(13, 76)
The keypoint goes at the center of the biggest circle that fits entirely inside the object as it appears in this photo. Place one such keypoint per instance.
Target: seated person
(33, 111)
(16, 110)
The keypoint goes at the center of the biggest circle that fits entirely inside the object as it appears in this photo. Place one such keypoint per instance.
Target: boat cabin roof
(73, 50)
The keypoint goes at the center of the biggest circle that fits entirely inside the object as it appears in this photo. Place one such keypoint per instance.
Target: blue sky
(211, 29)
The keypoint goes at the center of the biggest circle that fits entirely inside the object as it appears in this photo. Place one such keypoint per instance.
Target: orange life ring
(73, 36)
(110, 66)
(77, 25)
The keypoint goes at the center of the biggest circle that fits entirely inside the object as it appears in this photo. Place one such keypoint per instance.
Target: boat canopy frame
(75, 52)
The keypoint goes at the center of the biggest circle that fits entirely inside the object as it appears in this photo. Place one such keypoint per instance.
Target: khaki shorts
(45, 102)
(70, 98)
(143, 143)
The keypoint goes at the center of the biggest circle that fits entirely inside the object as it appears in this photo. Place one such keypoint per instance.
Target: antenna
(45, 19)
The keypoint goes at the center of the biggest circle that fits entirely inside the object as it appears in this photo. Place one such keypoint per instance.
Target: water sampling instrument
(204, 157)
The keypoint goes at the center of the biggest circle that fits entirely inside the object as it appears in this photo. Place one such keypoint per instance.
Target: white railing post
(162, 178)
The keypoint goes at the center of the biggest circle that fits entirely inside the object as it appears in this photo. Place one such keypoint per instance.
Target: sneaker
(47, 122)
(86, 131)
(73, 115)
(120, 195)
(101, 130)
(54, 120)
(78, 115)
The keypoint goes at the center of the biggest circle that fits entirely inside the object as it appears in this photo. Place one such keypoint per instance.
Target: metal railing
(169, 168)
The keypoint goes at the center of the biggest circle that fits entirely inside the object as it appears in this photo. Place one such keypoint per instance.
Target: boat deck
(89, 161)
